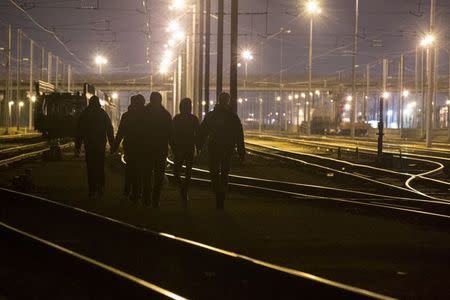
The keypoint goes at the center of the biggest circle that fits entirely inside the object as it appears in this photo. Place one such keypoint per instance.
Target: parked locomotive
(56, 113)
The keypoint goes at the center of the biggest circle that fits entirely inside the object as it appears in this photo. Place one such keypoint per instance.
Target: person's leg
(128, 176)
(90, 167)
(188, 160)
(147, 181)
(131, 169)
(225, 165)
(159, 168)
(214, 169)
(177, 165)
(100, 170)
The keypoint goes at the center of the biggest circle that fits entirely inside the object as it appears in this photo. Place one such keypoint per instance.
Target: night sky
(116, 29)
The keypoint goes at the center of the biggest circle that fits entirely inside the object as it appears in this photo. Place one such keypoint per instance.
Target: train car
(56, 113)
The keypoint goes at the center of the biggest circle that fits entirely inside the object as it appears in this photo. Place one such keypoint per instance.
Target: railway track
(400, 181)
(184, 267)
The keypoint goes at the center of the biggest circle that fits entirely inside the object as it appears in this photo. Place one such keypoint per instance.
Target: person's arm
(109, 130)
(120, 134)
(196, 132)
(203, 132)
(171, 133)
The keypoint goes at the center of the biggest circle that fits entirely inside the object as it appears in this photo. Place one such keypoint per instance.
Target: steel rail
(91, 261)
(28, 155)
(217, 250)
(410, 176)
(22, 148)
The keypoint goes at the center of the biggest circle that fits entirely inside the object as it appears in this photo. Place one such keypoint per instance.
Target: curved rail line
(411, 177)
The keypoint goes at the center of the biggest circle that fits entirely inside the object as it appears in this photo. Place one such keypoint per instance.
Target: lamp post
(246, 56)
(21, 104)
(260, 100)
(312, 8)
(10, 104)
(448, 119)
(427, 42)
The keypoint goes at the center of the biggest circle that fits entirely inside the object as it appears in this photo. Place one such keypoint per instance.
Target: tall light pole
(10, 104)
(246, 56)
(428, 42)
(21, 104)
(355, 49)
(312, 8)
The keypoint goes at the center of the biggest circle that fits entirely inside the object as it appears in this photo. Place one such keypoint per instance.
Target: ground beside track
(377, 253)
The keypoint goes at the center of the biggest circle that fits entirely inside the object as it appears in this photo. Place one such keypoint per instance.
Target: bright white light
(100, 60)
(240, 100)
(211, 102)
(171, 42)
(247, 55)
(427, 40)
(310, 94)
(290, 97)
(405, 93)
(389, 113)
(177, 5)
(33, 98)
(173, 26)
(203, 102)
(245, 99)
(179, 35)
(239, 65)
(163, 68)
(260, 100)
(347, 107)
(312, 7)
(349, 98)
(317, 92)
(114, 95)
(11, 103)
(386, 95)
(21, 104)
(278, 98)
(296, 96)
(447, 102)
(303, 95)
(413, 104)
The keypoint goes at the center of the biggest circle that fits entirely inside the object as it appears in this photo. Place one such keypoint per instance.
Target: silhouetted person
(94, 128)
(185, 128)
(130, 131)
(158, 134)
(224, 131)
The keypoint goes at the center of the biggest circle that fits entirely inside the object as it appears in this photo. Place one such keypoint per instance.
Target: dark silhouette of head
(185, 106)
(137, 100)
(94, 102)
(224, 99)
(155, 99)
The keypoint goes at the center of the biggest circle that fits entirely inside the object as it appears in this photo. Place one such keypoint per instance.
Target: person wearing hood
(158, 134)
(185, 128)
(93, 130)
(129, 125)
(223, 129)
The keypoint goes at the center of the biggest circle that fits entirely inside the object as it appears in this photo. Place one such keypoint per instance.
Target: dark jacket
(185, 130)
(94, 128)
(158, 130)
(223, 129)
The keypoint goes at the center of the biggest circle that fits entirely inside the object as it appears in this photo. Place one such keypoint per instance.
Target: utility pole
(42, 64)
(424, 66)
(196, 58)
(30, 104)
(56, 72)
(234, 54)
(366, 98)
(219, 69)
(310, 94)
(431, 77)
(69, 78)
(207, 52)
(201, 32)
(401, 96)
(7, 98)
(381, 112)
(49, 67)
(355, 49)
(19, 70)
(416, 82)
(448, 99)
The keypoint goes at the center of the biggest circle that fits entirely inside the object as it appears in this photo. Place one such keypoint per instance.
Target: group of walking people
(147, 132)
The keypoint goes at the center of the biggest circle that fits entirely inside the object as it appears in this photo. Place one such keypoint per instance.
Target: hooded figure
(185, 128)
(223, 129)
(94, 128)
(158, 134)
(128, 129)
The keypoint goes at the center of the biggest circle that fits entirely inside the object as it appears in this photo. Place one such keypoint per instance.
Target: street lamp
(312, 8)
(10, 104)
(21, 104)
(100, 61)
(246, 56)
(114, 95)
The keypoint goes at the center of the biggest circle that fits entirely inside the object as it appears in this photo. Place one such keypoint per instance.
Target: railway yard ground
(357, 245)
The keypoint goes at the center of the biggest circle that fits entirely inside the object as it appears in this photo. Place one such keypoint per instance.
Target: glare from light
(211, 102)
(100, 60)
(427, 40)
(405, 93)
(11, 103)
(260, 100)
(163, 68)
(203, 102)
(33, 98)
(247, 55)
(312, 7)
(303, 95)
(447, 102)
(245, 99)
(114, 95)
(389, 113)
(347, 107)
(278, 98)
(21, 104)
(317, 92)
(386, 95)
(177, 5)
(290, 97)
(239, 65)
(296, 96)
(413, 104)
(174, 26)
(349, 98)
(179, 35)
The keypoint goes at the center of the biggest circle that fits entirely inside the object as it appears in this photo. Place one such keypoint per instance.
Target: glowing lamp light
(114, 96)
(290, 97)
(303, 95)
(100, 60)
(11, 103)
(33, 98)
(389, 113)
(203, 102)
(347, 107)
(427, 40)
(296, 96)
(177, 5)
(21, 104)
(349, 98)
(317, 92)
(386, 95)
(447, 102)
(405, 93)
(247, 55)
(173, 26)
(278, 98)
(312, 7)
(179, 36)
(260, 100)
